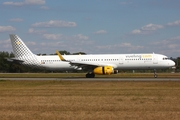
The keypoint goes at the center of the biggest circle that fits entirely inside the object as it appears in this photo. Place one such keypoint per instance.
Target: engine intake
(105, 70)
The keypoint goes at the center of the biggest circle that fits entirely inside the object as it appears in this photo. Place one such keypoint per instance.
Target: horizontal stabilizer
(14, 60)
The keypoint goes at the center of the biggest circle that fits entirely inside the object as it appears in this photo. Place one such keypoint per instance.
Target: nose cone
(171, 63)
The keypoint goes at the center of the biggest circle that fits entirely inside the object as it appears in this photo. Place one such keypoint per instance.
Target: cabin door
(121, 59)
(155, 59)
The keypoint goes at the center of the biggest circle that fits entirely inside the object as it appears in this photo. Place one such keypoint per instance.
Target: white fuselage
(117, 61)
(102, 64)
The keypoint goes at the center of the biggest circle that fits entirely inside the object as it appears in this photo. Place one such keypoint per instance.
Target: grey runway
(97, 79)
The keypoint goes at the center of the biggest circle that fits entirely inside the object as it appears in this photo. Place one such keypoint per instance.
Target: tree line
(9, 67)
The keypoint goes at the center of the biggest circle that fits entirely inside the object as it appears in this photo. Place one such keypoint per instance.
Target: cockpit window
(166, 58)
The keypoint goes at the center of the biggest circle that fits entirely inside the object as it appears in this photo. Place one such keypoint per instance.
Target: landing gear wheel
(155, 75)
(90, 75)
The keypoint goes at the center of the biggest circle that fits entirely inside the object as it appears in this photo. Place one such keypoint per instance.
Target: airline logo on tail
(18, 43)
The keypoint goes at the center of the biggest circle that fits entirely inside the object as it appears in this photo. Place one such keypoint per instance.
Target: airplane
(102, 64)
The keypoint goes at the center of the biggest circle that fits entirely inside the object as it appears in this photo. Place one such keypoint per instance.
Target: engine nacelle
(106, 70)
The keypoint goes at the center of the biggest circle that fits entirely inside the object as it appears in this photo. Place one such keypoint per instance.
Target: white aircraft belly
(58, 66)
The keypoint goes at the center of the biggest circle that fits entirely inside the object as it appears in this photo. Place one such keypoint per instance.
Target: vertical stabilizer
(19, 48)
(22, 52)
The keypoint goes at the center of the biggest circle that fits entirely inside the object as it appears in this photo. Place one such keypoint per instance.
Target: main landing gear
(155, 75)
(90, 75)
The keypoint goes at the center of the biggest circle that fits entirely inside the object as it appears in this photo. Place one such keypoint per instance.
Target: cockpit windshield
(166, 58)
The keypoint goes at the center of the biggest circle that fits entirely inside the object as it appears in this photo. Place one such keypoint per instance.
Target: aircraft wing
(81, 64)
(89, 64)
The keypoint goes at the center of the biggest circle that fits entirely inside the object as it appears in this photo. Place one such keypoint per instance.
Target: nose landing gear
(155, 74)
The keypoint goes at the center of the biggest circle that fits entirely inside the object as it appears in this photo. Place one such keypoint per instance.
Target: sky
(93, 26)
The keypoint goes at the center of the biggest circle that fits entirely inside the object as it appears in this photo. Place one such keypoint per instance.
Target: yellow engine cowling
(106, 70)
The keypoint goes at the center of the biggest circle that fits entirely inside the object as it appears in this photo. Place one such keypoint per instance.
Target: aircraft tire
(92, 75)
(155, 75)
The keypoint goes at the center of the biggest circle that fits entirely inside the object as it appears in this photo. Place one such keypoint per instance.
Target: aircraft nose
(172, 63)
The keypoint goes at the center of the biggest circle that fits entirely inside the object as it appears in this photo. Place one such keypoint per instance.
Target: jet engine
(105, 70)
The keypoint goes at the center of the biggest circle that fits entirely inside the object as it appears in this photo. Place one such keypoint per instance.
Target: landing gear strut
(90, 75)
(155, 75)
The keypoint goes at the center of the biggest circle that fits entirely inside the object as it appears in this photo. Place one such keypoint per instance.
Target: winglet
(60, 56)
